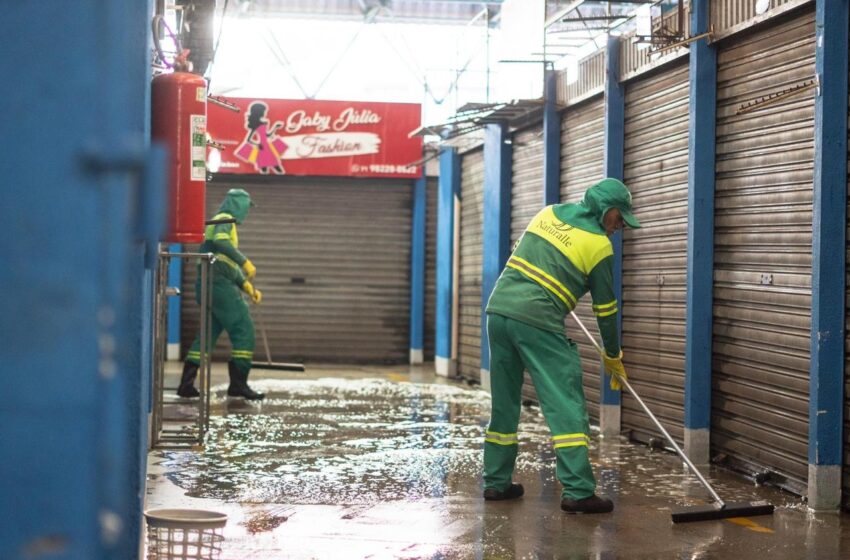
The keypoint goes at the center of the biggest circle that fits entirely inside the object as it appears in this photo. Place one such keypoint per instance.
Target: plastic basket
(184, 534)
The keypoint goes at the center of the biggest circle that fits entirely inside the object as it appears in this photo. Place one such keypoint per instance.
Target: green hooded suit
(563, 254)
(229, 310)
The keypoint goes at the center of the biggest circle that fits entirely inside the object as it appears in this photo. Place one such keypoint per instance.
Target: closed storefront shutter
(763, 242)
(526, 196)
(469, 293)
(655, 257)
(582, 151)
(333, 262)
(526, 179)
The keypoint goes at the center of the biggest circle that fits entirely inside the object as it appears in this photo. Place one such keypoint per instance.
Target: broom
(719, 509)
(268, 364)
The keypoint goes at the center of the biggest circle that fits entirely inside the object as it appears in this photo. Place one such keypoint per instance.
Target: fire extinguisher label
(201, 94)
(198, 126)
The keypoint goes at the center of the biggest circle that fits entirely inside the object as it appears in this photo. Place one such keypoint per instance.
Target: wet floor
(385, 462)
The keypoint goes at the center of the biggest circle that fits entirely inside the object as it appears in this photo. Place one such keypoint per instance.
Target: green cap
(612, 193)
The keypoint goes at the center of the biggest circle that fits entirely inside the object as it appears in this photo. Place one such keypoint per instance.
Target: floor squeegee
(719, 509)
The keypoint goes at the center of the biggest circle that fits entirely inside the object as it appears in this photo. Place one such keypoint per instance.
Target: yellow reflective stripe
(227, 260)
(244, 354)
(571, 444)
(605, 306)
(501, 439)
(544, 279)
(607, 313)
(570, 440)
(569, 436)
(193, 355)
(222, 236)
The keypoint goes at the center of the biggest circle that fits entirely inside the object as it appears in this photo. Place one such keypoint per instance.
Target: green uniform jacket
(554, 264)
(223, 240)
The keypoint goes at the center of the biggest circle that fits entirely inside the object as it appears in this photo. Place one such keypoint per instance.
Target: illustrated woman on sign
(261, 147)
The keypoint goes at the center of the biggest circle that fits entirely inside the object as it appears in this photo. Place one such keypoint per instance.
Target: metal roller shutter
(763, 240)
(582, 151)
(526, 179)
(655, 257)
(526, 196)
(430, 267)
(470, 255)
(333, 261)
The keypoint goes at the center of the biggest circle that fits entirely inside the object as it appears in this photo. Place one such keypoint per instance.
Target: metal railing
(170, 425)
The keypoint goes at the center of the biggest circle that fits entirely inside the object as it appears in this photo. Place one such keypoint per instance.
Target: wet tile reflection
(373, 468)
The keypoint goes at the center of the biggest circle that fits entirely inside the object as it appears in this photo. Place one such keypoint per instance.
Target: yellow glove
(614, 367)
(249, 269)
(256, 295)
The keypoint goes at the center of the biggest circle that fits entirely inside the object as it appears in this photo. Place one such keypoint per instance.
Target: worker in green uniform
(232, 272)
(564, 253)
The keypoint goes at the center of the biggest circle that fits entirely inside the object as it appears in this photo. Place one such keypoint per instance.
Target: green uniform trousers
(229, 313)
(555, 367)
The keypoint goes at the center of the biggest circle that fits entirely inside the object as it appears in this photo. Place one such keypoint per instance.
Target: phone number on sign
(383, 168)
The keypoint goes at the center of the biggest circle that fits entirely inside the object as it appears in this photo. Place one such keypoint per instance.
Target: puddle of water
(349, 442)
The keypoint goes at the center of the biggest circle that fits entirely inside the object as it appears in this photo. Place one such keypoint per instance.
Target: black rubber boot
(239, 384)
(187, 381)
(513, 492)
(593, 504)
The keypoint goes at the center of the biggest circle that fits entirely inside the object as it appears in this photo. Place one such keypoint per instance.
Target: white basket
(184, 534)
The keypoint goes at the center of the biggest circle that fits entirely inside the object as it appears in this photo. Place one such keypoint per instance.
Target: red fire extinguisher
(179, 121)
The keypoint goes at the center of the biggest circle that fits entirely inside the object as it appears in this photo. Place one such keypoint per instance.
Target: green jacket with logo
(564, 254)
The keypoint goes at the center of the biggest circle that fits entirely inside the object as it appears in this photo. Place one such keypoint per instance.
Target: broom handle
(720, 503)
(263, 332)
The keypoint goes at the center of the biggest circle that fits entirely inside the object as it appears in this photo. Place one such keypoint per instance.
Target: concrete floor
(385, 462)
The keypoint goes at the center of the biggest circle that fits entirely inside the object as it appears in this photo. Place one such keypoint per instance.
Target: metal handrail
(180, 435)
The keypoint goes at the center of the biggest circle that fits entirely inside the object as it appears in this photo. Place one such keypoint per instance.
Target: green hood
(598, 199)
(236, 203)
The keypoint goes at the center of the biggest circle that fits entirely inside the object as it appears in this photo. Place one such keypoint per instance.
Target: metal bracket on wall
(222, 102)
(709, 35)
(766, 279)
(771, 98)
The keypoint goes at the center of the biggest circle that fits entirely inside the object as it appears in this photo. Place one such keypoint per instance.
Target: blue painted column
(445, 360)
(826, 374)
(609, 414)
(551, 143)
(175, 280)
(496, 249)
(417, 271)
(699, 295)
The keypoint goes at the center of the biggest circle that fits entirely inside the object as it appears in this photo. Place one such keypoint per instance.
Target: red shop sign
(307, 137)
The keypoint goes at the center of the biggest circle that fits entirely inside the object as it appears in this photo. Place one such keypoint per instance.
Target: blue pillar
(497, 224)
(449, 188)
(551, 143)
(175, 279)
(609, 418)
(826, 373)
(700, 285)
(417, 271)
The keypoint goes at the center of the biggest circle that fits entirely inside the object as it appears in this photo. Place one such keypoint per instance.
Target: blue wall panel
(74, 139)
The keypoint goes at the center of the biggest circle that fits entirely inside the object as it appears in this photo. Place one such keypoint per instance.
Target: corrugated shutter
(763, 241)
(469, 294)
(526, 195)
(526, 179)
(655, 257)
(430, 267)
(582, 151)
(333, 261)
